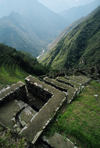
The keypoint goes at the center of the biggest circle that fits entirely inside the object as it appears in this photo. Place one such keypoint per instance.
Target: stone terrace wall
(63, 87)
(37, 90)
(47, 112)
(15, 91)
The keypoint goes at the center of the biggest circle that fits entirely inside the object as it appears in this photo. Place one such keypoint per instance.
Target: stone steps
(70, 83)
(82, 80)
(78, 82)
(63, 87)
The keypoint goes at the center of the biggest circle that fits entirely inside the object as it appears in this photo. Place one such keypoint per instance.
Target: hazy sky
(78, 2)
(70, 2)
(54, 5)
(61, 5)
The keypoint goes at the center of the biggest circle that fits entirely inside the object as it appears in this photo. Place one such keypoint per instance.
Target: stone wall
(52, 83)
(47, 112)
(15, 91)
(71, 91)
(37, 90)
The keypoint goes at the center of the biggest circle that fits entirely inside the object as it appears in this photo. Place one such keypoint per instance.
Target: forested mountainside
(66, 31)
(81, 46)
(16, 65)
(26, 28)
(75, 13)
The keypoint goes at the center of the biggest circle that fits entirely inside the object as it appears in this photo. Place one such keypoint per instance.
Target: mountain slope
(32, 28)
(17, 36)
(68, 29)
(16, 65)
(81, 45)
(75, 13)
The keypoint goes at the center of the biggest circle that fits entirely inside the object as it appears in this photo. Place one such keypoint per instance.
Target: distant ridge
(75, 13)
(26, 28)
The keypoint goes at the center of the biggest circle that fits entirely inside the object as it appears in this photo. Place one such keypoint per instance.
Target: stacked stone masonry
(15, 91)
(20, 116)
(45, 114)
(63, 87)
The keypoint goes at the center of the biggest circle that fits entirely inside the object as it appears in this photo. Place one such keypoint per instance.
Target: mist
(61, 5)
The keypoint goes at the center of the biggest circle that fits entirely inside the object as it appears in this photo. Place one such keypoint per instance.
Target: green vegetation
(9, 140)
(62, 35)
(81, 47)
(16, 65)
(81, 120)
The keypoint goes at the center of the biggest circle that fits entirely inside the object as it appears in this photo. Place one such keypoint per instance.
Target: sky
(70, 2)
(61, 5)
(78, 2)
(54, 5)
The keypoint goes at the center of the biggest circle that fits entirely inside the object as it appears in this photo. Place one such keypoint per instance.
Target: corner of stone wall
(15, 91)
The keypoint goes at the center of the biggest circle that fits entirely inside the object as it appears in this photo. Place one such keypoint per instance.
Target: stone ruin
(28, 108)
(20, 110)
(90, 72)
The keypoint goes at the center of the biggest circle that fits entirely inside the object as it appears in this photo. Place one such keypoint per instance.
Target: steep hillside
(27, 29)
(59, 37)
(75, 13)
(81, 45)
(64, 33)
(16, 65)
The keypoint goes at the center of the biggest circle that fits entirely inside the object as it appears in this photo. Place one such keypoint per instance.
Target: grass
(16, 65)
(81, 121)
(9, 140)
(6, 78)
(10, 71)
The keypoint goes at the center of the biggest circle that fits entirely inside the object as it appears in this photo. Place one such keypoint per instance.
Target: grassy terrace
(11, 73)
(10, 70)
(81, 121)
(16, 65)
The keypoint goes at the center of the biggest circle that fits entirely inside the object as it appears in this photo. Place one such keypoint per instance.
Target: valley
(49, 74)
(31, 28)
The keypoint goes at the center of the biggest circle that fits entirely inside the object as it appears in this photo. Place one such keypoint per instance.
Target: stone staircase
(71, 91)
(28, 108)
